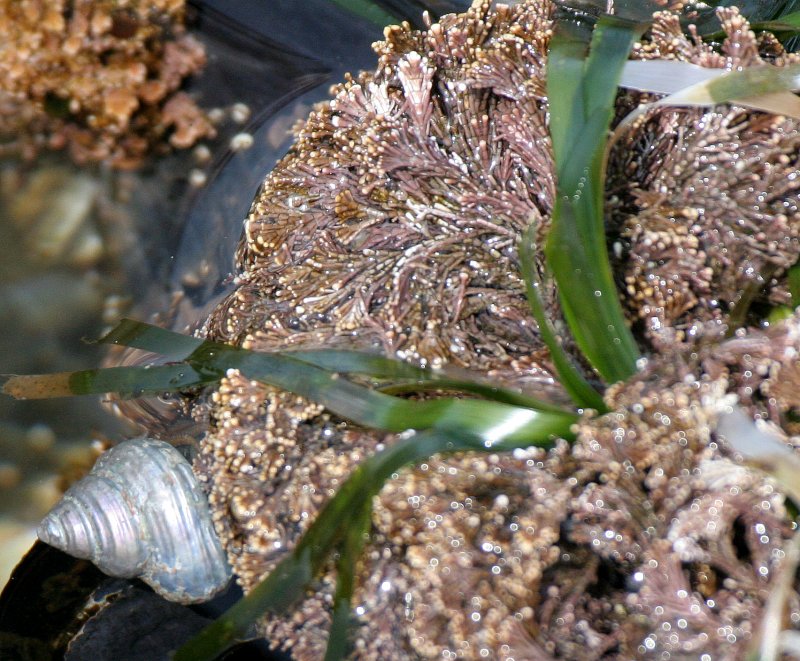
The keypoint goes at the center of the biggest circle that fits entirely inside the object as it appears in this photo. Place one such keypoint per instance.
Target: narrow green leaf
(486, 391)
(138, 381)
(589, 300)
(582, 393)
(794, 284)
(338, 642)
(349, 552)
(637, 11)
(581, 93)
(763, 87)
(125, 381)
(754, 81)
(376, 410)
(565, 69)
(786, 23)
(409, 378)
(140, 335)
(275, 594)
(365, 406)
(370, 11)
(358, 362)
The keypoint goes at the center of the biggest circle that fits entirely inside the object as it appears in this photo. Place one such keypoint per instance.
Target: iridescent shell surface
(141, 513)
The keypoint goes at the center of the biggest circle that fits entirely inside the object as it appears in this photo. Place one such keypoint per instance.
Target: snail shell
(141, 513)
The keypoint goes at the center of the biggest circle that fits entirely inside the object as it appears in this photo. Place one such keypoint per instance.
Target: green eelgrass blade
(376, 410)
(763, 87)
(409, 378)
(174, 346)
(210, 361)
(138, 381)
(289, 580)
(581, 93)
(349, 552)
(127, 382)
(338, 642)
(582, 393)
(786, 23)
(486, 391)
(371, 11)
(139, 335)
(750, 82)
(781, 312)
(357, 362)
(793, 276)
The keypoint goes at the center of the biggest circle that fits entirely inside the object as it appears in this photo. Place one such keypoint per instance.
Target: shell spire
(140, 512)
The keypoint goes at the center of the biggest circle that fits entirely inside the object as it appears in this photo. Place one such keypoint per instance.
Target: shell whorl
(140, 512)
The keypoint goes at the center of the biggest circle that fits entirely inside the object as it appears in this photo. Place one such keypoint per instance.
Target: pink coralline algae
(392, 226)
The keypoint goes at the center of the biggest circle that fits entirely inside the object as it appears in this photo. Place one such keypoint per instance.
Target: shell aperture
(141, 513)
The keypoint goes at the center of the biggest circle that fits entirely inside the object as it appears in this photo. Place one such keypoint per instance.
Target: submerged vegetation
(472, 171)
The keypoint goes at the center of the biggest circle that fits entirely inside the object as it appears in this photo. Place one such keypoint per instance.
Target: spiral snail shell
(141, 513)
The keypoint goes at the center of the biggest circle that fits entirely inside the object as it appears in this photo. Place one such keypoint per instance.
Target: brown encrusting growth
(392, 226)
(100, 79)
